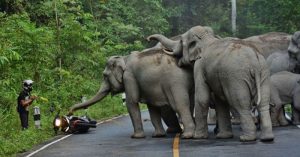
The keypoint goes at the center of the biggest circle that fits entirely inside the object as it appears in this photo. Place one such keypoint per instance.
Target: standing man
(24, 100)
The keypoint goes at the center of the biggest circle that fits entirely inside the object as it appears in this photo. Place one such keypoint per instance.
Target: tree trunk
(233, 16)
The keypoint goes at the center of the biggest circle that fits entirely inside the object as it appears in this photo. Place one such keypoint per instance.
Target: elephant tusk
(171, 53)
(148, 38)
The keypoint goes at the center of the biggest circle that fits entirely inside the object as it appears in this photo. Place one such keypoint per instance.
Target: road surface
(112, 139)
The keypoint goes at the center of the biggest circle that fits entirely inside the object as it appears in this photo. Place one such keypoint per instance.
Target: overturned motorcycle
(73, 124)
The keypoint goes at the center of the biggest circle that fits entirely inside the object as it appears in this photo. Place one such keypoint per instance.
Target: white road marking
(49, 144)
(289, 118)
(108, 120)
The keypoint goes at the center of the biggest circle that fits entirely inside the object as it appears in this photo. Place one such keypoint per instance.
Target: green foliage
(253, 16)
(62, 45)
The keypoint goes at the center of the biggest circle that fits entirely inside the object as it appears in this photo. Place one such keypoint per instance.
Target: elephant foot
(296, 123)
(187, 135)
(266, 137)
(284, 123)
(275, 124)
(224, 135)
(158, 135)
(200, 135)
(247, 138)
(174, 130)
(138, 135)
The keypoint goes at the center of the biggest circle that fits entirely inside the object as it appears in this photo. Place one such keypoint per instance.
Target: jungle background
(63, 45)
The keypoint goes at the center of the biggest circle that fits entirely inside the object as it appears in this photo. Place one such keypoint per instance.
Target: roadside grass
(288, 109)
(13, 140)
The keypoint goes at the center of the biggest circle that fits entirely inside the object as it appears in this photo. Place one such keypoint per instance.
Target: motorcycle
(73, 124)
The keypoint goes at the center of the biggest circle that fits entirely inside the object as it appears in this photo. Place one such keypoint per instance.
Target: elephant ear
(195, 52)
(194, 55)
(119, 68)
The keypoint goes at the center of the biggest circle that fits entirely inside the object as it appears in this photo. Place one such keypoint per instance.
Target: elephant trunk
(103, 92)
(173, 47)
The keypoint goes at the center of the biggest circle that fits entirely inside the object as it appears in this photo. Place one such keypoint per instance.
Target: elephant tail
(258, 86)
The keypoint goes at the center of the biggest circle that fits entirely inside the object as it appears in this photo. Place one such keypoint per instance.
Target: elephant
(285, 89)
(288, 59)
(150, 77)
(234, 71)
(281, 61)
(266, 44)
(294, 46)
(271, 42)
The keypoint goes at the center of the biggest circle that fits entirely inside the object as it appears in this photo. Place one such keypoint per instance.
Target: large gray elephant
(151, 77)
(288, 59)
(268, 43)
(281, 61)
(234, 71)
(294, 46)
(285, 89)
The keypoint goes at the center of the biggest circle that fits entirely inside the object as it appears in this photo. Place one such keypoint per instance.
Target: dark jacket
(24, 95)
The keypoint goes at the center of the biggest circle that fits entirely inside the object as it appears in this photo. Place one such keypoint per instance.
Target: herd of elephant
(187, 74)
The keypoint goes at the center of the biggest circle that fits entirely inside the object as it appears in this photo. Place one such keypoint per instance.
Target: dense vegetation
(63, 45)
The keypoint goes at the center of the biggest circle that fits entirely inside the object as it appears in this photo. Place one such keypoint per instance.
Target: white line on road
(45, 146)
(49, 144)
(289, 118)
(108, 120)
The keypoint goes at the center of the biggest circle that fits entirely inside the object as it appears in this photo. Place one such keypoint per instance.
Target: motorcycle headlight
(57, 122)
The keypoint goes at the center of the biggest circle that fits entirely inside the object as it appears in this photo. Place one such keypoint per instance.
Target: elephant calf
(285, 89)
(150, 77)
(281, 61)
(288, 59)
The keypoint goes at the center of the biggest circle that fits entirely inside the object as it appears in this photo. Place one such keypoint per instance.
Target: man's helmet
(27, 85)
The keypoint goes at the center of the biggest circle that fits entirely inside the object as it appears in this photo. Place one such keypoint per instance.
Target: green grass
(14, 141)
(288, 109)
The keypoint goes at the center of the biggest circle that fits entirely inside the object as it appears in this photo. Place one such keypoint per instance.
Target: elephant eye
(192, 44)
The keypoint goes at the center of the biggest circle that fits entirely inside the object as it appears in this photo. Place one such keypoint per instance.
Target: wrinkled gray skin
(281, 61)
(266, 44)
(285, 89)
(294, 46)
(269, 43)
(151, 77)
(288, 59)
(234, 71)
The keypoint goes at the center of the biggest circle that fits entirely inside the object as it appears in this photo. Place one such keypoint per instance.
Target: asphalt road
(112, 139)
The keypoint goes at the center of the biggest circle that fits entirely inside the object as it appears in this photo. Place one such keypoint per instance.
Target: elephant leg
(264, 112)
(296, 107)
(132, 98)
(156, 121)
(295, 117)
(277, 116)
(171, 120)
(281, 117)
(179, 101)
(276, 107)
(224, 123)
(235, 120)
(202, 100)
(182, 106)
(239, 98)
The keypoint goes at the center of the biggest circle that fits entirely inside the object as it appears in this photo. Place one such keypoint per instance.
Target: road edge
(54, 140)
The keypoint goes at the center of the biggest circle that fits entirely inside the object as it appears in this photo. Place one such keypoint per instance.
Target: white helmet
(27, 85)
